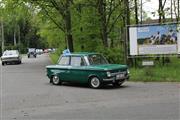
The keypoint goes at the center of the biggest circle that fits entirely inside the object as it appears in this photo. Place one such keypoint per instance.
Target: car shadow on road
(85, 86)
(14, 64)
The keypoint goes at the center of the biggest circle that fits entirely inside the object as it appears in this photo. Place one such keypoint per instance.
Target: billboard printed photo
(157, 35)
(154, 39)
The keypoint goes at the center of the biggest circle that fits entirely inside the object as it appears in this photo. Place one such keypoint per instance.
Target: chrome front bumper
(10, 59)
(114, 79)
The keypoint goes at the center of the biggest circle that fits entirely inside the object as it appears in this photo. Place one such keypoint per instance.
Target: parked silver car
(11, 56)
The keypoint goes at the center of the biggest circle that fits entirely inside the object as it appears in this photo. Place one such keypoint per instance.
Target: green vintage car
(88, 68)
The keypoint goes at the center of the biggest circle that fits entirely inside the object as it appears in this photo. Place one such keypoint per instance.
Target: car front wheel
(56, 80)
(94, 82)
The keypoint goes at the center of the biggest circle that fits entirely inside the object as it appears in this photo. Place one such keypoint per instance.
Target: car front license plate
(119, 76)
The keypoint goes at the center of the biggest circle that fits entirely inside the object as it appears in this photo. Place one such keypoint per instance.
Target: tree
(63, 10)
(161, 11)
(136, 11)
(109, 16)
(18, 26)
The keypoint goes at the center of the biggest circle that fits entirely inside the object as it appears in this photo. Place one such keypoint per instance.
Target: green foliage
(113, 55)
(55, 56)
(53, 36)
(19, 26)
(158, 73)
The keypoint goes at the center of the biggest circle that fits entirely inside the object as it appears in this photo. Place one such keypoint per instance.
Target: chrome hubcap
(95, 82)
(55, 79)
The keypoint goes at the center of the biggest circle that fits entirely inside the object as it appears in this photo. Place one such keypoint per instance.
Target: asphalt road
(26, 94)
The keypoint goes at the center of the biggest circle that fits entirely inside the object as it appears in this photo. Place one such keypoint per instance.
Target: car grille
(116, 72)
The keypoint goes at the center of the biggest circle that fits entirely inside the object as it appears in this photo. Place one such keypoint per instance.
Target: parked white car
(11, 56)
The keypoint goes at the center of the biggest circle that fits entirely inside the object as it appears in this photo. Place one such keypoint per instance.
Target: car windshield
(12, 52)
(97, 59)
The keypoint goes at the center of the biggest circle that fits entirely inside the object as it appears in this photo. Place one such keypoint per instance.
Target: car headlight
(128, 71)
(108, 74)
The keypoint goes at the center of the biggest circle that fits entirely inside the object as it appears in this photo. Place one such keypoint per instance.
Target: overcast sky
(152, 6)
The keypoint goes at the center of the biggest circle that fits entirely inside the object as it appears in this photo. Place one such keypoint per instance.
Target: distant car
(46, 51)
(39, 51)
(31, 52)
(89, 68)
(11, 56)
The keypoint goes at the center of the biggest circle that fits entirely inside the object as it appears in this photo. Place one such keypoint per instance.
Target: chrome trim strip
(110, 79)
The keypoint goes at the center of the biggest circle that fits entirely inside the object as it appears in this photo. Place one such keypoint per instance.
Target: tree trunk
(178, 11)
(171, 10)
(136, 11)
(103, 30)
(126, 22)
(19, 37)
(14, 37)
(2, 35)
(68, 27)
(160, 11)
(141, 11)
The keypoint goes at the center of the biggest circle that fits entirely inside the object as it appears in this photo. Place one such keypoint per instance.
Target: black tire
(28, 56)
(94, 82)
(55, 80)
(3, 63)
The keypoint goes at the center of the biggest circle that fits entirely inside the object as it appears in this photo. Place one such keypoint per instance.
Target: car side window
(64, 60)
(77, 61)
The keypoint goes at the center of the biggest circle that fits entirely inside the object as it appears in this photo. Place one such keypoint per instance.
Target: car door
(64, 69)
(78, 69)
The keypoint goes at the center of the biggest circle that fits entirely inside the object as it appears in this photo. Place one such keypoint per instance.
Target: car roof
(80, 54)
(6, 52)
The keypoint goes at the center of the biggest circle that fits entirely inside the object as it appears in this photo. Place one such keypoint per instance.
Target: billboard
(155, 39)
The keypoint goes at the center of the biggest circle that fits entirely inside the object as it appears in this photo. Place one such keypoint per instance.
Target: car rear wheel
(3, 63)
(94, 82)
(56, 80)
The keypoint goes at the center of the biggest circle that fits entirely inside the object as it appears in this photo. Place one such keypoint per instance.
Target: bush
(113, 55)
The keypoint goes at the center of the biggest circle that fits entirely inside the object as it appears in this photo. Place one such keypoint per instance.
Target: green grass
(159, 73)
(54, 57)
